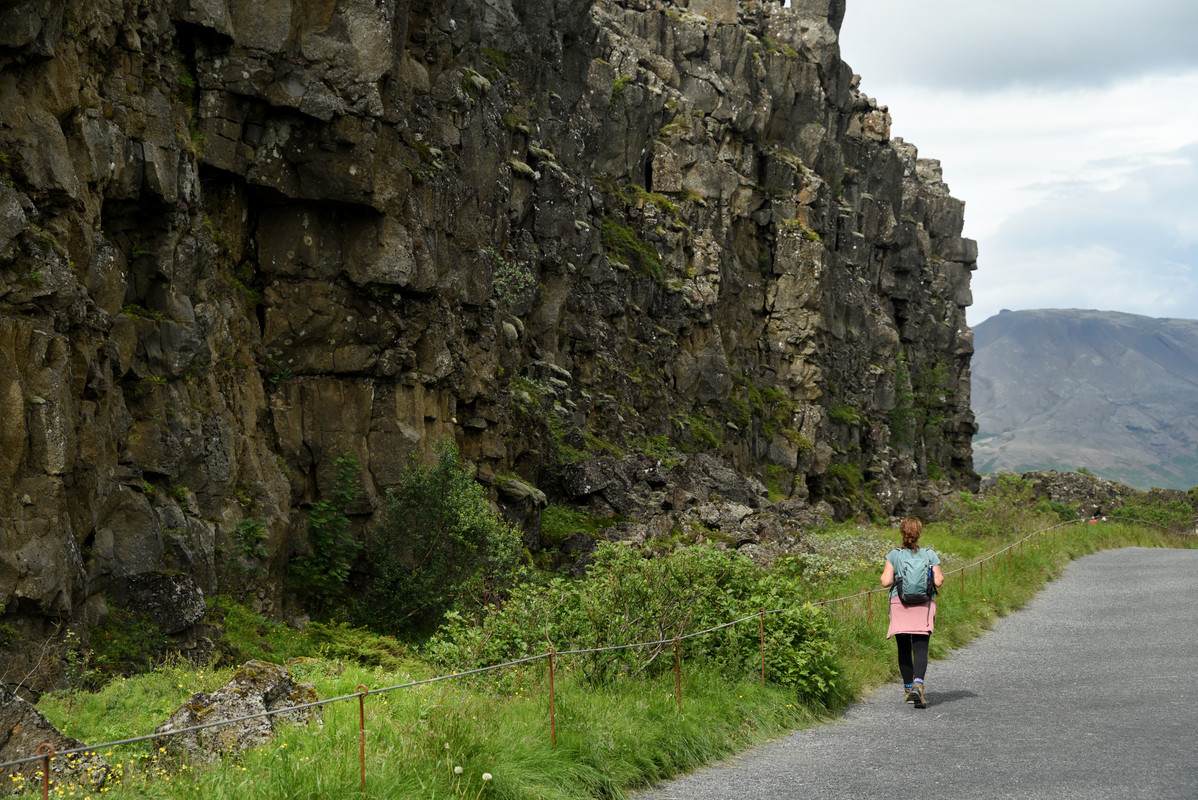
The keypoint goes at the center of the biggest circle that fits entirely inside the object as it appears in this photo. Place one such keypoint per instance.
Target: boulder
(584, 478)
(174, 602)
(25, 729)
(258, 687)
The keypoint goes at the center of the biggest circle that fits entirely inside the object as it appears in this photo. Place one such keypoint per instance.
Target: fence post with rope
(362, 692)
(46, 751)
(552, 711)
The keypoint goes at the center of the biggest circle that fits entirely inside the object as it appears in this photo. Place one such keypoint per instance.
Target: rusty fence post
(46, 755)
(362, 692)
(552, 708)
(677, 674)
(761, 621)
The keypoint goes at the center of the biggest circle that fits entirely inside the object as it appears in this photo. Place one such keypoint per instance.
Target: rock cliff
(238, 240)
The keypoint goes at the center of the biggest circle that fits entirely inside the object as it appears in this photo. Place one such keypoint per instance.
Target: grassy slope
(608, 741)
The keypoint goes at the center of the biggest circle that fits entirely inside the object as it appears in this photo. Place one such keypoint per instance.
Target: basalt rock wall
(239, 240)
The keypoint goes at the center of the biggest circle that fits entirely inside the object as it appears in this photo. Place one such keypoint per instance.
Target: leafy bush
(325, 572)
(1154, 509)
(1010, 506)
(627, 599)
(512, 281)
(838, 554)
(439, 545)
(1064, 511)
(128, 642)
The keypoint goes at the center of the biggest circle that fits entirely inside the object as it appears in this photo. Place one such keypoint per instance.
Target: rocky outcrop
(698, 500)
(238, 241)
(1089, 495)
(25, 730)
(259, 690)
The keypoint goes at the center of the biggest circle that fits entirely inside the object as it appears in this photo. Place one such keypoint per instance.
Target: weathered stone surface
(237, 243)
(588, 477)
(173, 602)
(257, 687)
(25, 730)
(1091, 496)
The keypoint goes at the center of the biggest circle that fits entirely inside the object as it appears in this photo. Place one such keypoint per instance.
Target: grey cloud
(1144, 213)
(1141, 237)
(992, 45)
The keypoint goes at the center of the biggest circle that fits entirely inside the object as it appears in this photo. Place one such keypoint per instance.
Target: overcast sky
(1068, 127)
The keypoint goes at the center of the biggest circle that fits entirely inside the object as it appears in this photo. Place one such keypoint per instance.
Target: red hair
(911, 529)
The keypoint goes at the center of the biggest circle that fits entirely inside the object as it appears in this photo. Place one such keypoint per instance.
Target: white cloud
(988, 45)
(1069, 128)
(1130, 248)
(1093, 276)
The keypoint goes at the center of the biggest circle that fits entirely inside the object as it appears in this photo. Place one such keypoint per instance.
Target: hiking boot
(917, 694)
(910, 694)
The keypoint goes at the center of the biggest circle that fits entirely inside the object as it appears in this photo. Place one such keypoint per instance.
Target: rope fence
(46, 751)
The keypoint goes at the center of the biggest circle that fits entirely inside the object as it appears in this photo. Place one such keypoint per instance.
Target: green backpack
(913, 581)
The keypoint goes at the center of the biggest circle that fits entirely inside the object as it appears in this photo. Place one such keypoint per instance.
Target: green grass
(606, 741)
(559, 523)
(610, 738)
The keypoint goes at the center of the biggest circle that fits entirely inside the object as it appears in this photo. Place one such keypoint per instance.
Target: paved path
(1090, 691)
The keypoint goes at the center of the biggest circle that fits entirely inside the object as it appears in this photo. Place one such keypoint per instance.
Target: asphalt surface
(1090, 691)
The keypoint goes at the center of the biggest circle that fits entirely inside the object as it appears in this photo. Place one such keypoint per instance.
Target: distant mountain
(1115, 393)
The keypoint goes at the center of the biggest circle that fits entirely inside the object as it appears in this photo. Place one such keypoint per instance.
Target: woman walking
(912, 569)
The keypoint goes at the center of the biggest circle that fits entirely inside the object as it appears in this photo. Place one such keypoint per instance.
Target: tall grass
(610, 738)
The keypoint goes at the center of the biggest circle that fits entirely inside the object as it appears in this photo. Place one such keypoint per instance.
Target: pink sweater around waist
(911, 619)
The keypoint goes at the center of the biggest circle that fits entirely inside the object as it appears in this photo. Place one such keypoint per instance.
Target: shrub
(127, 643)
(1153, 509)
(325, 571)
(512, 281)
(439, 545)
(1010, 506)
(628, 599)
(1064, 511)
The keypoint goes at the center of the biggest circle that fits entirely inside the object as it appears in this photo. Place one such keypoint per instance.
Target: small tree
(325, 572)
(440, 544)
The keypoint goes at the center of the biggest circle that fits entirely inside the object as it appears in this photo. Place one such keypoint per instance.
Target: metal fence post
(362, 692)
(46, 751)
(677, 674)
(552, 709)
(761, 621)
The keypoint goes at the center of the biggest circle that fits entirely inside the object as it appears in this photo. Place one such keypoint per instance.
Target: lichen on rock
(258, 689)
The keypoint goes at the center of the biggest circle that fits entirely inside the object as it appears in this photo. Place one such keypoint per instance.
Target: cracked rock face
(254, 237)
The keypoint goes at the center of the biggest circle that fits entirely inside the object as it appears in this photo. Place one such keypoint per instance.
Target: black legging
(913, 655)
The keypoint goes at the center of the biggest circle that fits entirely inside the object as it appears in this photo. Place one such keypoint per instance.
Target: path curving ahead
(1090, 691)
